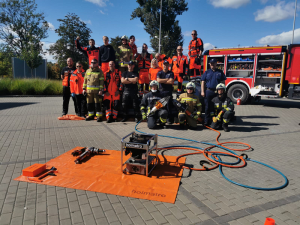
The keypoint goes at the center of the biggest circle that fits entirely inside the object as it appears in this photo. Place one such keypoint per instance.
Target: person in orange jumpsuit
(179, 68)
(76, 84)
(144, 61)
(195, 52)
(90, 52)
(154, 70)
(112, 89)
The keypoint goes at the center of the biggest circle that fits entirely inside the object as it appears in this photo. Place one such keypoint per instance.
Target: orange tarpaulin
(102, 173)
(70, 117)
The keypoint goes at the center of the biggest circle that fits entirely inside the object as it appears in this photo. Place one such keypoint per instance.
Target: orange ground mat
(102, 173)
(70, 117)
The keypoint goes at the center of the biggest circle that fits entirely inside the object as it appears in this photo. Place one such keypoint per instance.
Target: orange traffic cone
(238, 102)
(269, 221)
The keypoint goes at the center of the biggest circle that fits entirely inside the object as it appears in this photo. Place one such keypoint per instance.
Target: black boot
(215, 125)
(99, 119)
(124, 118)
(89, 118)
(109, 120)
(136, 120)
(225, 127)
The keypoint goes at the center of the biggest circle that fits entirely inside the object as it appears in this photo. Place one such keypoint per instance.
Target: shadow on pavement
(8, 105)
(279, 103)
(258, 117)
(247, 129)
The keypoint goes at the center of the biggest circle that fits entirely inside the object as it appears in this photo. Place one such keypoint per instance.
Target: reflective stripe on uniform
(163, 120)
(93, 86)
(143, 107)
(226, 121)
(199, 104)
(98, 114)
(198, 113)
(228, 109)
(91, 113)
(189, 99)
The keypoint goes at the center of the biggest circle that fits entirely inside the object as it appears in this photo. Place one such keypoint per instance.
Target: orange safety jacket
(112, 82)
(91, 53)
(179, 66)
(76, 82)
(144, 63)
(195, 46)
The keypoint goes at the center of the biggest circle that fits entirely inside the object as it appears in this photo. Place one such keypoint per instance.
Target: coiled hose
(214, 157)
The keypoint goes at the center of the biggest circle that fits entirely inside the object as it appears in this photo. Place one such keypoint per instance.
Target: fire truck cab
(253, 72)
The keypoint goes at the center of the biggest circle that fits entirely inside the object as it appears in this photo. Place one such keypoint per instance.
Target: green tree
(22, 29)
(149, 14)
(71, 27)
(5, 61)
(116, 42)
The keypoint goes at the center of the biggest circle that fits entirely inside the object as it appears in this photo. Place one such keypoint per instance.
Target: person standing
(124, 54)
(133, 46)
(112, 92)
(144, 63)
(179, 68)
(65, 76)
(129, 80)
(90, 52)
(106, 54)
(166, 80)
(195, 52)
(209, 81)
(76, 84)
(154, 70)
(93, 87)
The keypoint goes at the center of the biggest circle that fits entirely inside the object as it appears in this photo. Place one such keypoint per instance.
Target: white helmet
(154, 82)
(190, 85)
(221, 86)
(124, 37)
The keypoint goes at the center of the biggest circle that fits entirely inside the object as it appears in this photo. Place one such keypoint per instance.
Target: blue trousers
(209, 107)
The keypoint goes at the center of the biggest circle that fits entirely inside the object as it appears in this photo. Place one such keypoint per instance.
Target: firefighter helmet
(190, 85)
(154, 82)
(124, 37)
(221, 86)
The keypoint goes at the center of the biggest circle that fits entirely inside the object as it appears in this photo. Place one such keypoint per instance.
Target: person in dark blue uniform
(166, 80)
(209, 81)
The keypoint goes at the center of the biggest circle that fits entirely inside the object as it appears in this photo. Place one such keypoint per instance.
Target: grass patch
(30, 87)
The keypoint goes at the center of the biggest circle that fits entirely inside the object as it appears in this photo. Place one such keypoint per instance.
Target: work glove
(220, 114)
(196, 117)
(144, 116)
(215, 119)
(73, 95)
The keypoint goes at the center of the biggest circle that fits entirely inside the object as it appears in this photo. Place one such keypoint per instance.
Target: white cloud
(87, 21)
(264, 1)
(273, 13)
(102, 12)
(51, 27)
(280, 39)
(208, 46)
(101, 3)
(187, 33)
(229, 3)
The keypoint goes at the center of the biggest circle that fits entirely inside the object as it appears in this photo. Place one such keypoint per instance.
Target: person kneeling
(224, 109)
(193, 106)
(148, 102)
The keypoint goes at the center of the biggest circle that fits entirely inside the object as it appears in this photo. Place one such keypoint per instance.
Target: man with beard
(107, 54)
(223, 109)
(144, 63)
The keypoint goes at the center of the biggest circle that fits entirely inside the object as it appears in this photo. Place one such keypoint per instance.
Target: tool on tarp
(159, 104)
(51, 172)
(139, 147)
(183, 107)
(84, 153)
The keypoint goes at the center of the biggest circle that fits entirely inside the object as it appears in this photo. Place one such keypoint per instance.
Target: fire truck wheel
(238, 91)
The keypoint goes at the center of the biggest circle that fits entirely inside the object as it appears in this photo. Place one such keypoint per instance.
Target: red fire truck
(253, 72)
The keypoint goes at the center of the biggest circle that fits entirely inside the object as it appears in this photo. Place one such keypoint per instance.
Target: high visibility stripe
(228, 109)
(189, 99)
(226, 121)
(198, 113)
(143, 107)
(93, 86)
(199, 104)
(98, 114)
(91, 113)
(212, 113)
(163, 120)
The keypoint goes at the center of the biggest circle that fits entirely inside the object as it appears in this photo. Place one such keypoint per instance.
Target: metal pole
(159, 27)
(294, 21)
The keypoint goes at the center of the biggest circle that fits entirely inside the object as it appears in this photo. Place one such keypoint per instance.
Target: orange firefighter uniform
(195, 46)
(179, 68)
(90, 52)
(76, 84)
(112, 93)
(144, 64)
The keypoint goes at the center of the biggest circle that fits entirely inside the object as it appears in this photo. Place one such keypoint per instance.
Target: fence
(22, 70)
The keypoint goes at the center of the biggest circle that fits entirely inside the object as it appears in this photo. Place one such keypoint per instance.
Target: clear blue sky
(221, 23)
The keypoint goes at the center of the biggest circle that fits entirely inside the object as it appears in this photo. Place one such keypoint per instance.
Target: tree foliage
(22, 29)
(71, 27)
(116, 42)
(53, 71)
(5, 61)
(149, 14)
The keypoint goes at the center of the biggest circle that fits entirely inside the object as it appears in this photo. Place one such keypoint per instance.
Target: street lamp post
(294, 21)
(160, 26)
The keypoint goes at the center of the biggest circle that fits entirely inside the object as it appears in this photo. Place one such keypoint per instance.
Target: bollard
(269, 221)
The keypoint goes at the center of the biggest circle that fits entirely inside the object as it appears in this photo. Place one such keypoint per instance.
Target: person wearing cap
(223, 110)
(93, 87)
(130, 90)
(148, 102)
(124, 55)
(166, 80)
(209, 81)
(193, 105)
(195, 52)
(107, 54)
(144, 63)
(179, 67)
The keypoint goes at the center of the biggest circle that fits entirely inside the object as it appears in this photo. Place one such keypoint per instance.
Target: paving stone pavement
(31, 133)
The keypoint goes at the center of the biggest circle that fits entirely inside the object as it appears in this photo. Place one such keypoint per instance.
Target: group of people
(114, 76)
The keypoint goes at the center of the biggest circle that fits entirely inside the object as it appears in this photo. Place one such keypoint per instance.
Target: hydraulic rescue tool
(159, 104)
(84, 153)
(139, 147)
(183, 107)
(51, 172)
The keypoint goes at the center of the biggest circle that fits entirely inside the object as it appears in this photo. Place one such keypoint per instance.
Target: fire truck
(255, 72)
